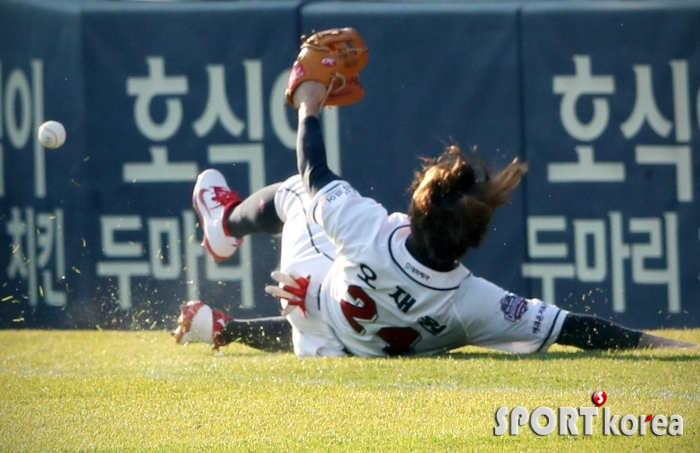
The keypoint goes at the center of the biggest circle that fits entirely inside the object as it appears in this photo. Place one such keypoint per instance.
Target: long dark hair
(451, 205)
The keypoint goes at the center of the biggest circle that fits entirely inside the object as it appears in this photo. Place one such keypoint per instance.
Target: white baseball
(52, 134)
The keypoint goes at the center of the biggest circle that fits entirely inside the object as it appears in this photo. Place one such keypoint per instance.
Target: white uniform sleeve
(351, 221)
(495, 318)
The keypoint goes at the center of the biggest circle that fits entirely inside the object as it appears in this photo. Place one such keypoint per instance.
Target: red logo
(599, 398)
(297, 71)
(328, 61)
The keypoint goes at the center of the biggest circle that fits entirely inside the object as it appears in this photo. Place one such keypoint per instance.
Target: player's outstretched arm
(311, 150)
(592, 333)
(649, 341)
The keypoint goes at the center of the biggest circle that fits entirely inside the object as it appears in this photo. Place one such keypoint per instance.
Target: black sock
(256, 214)
(267, 334)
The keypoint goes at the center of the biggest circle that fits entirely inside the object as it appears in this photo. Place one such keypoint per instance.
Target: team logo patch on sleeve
(338, 192)
(513, 307)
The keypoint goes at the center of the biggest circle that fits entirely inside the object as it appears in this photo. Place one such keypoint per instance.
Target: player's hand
(290, 290)
(309, 92)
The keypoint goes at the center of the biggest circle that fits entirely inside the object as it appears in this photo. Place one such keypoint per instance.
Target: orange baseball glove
(334, 58)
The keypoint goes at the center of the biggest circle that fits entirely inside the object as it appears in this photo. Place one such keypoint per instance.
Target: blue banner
(43, 197)
(601, 99)
(611, 135)
(169, 90)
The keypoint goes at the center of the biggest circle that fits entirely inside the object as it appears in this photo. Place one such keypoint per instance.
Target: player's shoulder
(347, 217)
(336, 196)
(398, 219)
(343, 201)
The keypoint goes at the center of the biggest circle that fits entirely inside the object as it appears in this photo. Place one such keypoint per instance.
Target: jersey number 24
(399, 340)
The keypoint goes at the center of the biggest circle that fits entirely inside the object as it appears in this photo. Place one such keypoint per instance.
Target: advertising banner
(167, 91)
(611, 134)
(602, 100)
(42, 192)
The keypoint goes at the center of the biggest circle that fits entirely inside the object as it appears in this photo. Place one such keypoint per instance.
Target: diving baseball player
(357, 280)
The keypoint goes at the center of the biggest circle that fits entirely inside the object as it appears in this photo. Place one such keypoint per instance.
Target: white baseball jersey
(375, 299)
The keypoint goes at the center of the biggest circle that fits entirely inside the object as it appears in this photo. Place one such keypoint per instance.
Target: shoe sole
(190, 330)
(205, 241)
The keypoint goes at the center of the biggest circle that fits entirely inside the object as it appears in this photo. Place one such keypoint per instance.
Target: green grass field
(116, 391)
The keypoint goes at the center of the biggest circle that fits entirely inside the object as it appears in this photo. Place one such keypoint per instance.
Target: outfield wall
(602, 99)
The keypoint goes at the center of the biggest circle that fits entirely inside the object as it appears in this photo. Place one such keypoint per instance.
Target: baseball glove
(334, 58)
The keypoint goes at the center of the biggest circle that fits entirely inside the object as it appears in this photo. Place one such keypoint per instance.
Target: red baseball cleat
(198, 322)
(212, 200)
